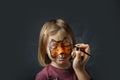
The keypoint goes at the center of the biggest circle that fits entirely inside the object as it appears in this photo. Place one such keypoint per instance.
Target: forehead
(60, 35)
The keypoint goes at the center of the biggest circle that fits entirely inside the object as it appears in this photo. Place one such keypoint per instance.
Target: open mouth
(62, 57)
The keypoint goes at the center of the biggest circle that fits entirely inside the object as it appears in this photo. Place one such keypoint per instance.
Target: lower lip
(62, 59)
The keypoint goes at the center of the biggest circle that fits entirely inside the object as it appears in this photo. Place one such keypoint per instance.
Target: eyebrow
(52, 40)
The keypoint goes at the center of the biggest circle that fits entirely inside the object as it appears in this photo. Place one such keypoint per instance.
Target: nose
(60, 50)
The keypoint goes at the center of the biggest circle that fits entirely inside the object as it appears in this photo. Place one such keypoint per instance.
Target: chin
(60, 62)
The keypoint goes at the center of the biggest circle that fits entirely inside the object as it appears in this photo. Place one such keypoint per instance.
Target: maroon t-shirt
(52, 73)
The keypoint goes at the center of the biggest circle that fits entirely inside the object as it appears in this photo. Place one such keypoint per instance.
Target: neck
(61, 66)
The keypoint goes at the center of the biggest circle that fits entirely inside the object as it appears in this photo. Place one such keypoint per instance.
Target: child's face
(59, 48)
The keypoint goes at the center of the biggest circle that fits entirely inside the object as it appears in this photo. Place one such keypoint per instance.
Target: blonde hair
(50, 28)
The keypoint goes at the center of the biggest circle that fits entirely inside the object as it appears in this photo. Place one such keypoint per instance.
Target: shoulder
(42, 75)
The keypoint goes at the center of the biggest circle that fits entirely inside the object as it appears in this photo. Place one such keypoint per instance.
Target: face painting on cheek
(60, 47)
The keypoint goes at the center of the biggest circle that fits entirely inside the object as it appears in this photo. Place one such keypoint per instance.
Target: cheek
(50, 55)
(68, 50)
(53, 53)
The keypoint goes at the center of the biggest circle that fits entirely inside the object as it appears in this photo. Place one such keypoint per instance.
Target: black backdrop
(93, 22)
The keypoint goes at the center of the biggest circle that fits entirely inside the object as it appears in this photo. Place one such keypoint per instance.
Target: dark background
(95, 22)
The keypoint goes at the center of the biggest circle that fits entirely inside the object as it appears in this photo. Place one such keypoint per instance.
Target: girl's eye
(53, 46)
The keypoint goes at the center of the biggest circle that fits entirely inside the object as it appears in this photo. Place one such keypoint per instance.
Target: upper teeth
(62, 56)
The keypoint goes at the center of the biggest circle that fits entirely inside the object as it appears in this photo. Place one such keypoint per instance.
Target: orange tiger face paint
(60, 47)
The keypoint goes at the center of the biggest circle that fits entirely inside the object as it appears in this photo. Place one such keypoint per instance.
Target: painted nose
(61, 50)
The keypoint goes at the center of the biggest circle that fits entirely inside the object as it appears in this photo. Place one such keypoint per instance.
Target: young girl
(57, 54)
